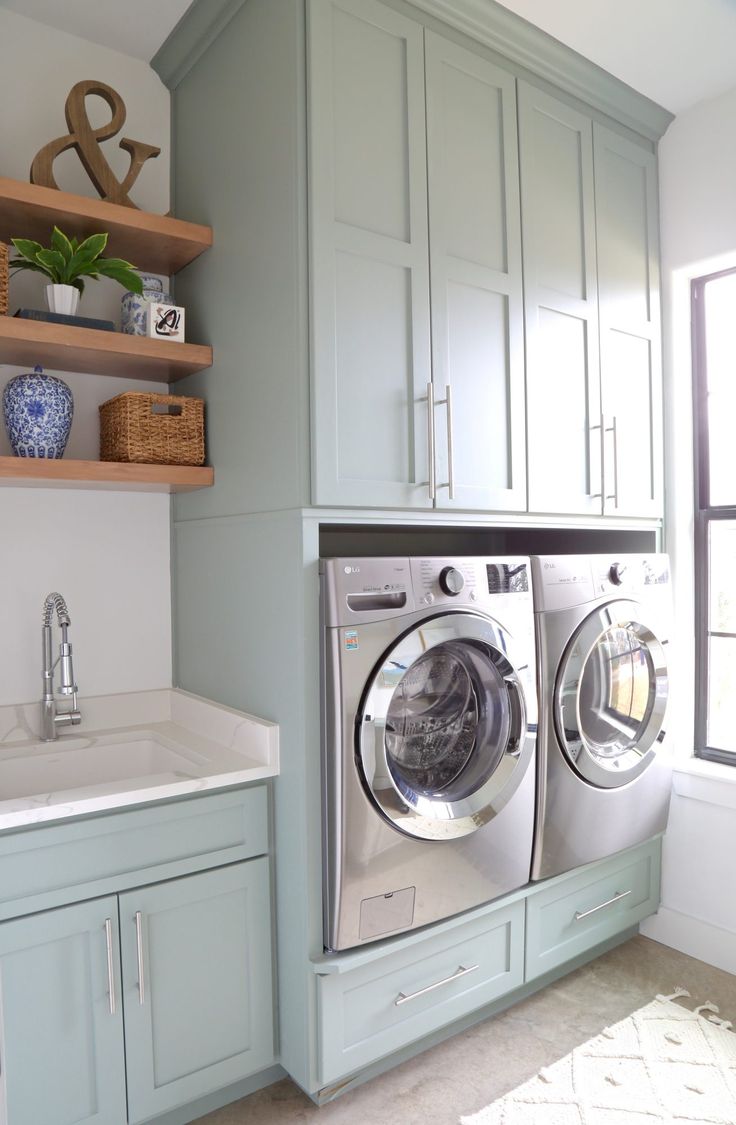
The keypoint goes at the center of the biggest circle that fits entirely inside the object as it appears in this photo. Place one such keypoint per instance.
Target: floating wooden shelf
(111, 475)
(62, 347)
(153, 243)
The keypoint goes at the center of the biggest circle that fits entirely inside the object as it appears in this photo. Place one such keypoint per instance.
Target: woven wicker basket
(152, 429)
(3, 279)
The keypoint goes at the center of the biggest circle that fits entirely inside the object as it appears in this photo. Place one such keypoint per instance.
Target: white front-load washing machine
(429, 735)
(603, 628)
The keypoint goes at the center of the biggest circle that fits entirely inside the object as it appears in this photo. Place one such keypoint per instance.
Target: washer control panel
(361, 590)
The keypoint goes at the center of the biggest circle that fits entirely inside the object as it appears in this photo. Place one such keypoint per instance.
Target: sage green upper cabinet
(369, 256)
(589, 218)
(561, 298)
(628, 289)
(415, 253)
(476, 284)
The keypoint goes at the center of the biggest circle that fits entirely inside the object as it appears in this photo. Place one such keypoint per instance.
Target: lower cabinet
(126, 1006)
(62, 1023)
(374, 1002)
(197, 995)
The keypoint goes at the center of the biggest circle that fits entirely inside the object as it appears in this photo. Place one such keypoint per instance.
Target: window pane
(722, 697)
(720, 345)
(722, 551)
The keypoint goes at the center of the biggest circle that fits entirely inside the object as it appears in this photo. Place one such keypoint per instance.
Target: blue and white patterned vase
(133, 317)
(38, 411)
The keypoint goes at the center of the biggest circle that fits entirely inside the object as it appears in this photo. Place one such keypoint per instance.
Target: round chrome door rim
(421, 816)
(631, 763)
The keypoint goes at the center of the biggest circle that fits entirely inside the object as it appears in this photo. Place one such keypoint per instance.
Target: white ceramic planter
(62, 299)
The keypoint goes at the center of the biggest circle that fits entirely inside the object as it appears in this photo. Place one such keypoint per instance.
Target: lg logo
(352, 570)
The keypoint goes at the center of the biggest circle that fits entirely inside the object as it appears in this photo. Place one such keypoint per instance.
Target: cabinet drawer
(588, 906)
(44, 867)
(380, 1007)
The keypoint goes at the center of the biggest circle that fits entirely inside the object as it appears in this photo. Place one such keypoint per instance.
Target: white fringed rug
(663, 1065)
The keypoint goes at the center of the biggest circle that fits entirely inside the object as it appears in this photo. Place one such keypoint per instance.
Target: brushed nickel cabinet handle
(613, 429)
(446, 401)
(110, 966)
(600, 425)
(431, 441)
(579, 915)
(139, 948)
(404, 998)
(450, 458)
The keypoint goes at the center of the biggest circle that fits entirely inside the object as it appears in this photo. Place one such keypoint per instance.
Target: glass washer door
(611, 696)
(441, 733)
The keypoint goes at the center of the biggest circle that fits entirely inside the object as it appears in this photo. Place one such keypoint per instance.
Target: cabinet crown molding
(528, 46)
(483, 20)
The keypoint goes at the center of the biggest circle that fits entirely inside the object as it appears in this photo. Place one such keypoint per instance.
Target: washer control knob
(616, 573)
(451, 581)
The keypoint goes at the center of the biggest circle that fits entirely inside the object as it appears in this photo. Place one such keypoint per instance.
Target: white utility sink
(74, 765)
(129, 750)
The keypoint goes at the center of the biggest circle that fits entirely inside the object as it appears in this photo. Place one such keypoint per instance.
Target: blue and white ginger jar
(38, 411)
(134, 305)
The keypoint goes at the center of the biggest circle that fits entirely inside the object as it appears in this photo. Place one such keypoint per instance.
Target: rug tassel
(709, 1006)
(679, 991)
(725, 1024)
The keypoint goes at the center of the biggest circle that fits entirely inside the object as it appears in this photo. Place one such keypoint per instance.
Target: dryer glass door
(611, 696)
(442, 731)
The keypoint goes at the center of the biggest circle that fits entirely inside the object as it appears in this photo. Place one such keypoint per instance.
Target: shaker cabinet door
(561, 297)
(62, 1059)
(628, 294)
(198, 994)
(369, 280)
(476, 283)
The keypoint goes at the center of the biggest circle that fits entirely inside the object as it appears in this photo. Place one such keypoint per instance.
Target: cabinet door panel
(563, 387)
(475, 267)
(628, 284)
(368, 256)
(375, 406)
(62, 1052)
(205, 1018)
(559, 467)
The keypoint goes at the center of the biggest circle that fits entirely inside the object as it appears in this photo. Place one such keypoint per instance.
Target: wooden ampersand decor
(86, 140)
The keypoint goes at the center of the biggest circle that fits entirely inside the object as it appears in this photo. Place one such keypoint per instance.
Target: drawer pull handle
(461, 972)
(110, 965)
(587, 913)
(139, 950)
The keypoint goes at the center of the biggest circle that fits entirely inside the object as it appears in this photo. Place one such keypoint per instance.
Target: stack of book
(62, 318)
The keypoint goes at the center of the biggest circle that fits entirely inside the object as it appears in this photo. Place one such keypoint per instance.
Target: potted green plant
(66, 262)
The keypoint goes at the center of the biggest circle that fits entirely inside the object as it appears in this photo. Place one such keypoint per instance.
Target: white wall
(107, 552)
(698, 216)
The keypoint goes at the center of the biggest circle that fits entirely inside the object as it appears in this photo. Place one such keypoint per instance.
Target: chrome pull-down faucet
(51, 719)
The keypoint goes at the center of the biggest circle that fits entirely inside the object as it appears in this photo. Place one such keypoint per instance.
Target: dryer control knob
(616, 573)
(451, 580)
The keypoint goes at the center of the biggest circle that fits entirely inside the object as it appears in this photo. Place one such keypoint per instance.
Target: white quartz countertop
(129, 749)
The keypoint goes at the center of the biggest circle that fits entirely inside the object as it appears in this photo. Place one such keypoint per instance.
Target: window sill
(701, 780)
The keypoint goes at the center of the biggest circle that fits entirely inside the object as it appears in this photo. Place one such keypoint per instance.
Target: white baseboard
(690, 935)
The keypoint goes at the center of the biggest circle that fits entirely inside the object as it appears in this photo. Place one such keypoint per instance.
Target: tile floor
(472, 1069)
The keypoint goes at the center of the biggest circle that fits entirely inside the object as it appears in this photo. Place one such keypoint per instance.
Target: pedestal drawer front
(588, 906)
(371, 1011)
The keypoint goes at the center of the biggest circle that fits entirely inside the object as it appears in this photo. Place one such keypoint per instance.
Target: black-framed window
(714, 382)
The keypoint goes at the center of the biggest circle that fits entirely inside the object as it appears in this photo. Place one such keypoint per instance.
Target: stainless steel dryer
(603, 626)
(429, 733)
